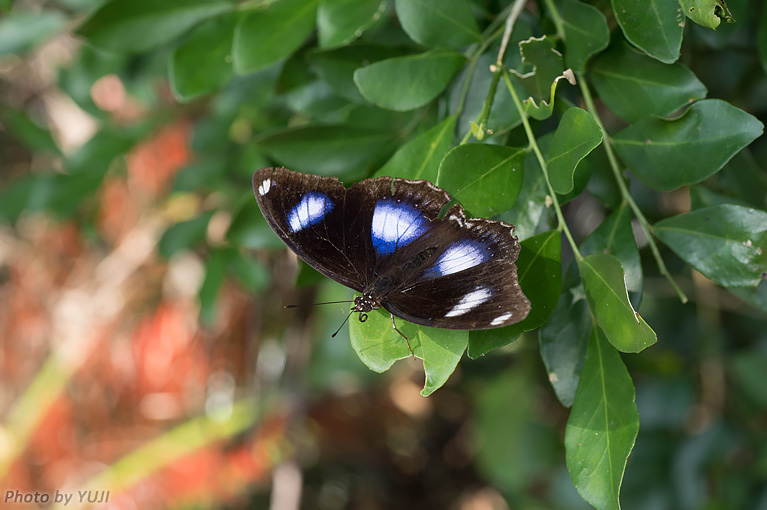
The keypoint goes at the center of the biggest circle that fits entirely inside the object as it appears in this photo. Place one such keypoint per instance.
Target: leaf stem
(625, 193)
(491, 33)
(542, 162)
(559, 23)
(516, 10)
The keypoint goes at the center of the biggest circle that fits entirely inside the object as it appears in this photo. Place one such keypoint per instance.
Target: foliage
(622, 139)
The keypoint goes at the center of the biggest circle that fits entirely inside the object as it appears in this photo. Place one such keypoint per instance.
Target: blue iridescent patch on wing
(395, 224)
(309, 211)
(459, 256)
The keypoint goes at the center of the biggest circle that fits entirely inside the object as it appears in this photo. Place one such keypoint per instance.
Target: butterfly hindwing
(470, 280)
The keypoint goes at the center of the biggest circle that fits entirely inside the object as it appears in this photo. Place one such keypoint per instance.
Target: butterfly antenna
(342, 324)
(324, 303)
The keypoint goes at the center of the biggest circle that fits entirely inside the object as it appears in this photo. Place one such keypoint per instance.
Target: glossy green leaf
(379, 346)
(339, 22)
(586, 33)
(531, 214)
(204, 61)
(137, 26)
(633, 85)
(267, 35)
(504, 116)
(547, 67)
(754, 296)
(184, 235)
(604, 283)
(666, 154)
(615, 236)
(576, 136)
(563, 341)
(707, 13)
(447, 23)
(654, 26)
(603, 425)
(21, 31)
(420, 78)
(327, 150)
(727, 243)
(485, 178)
(249, 228)
(336, 67)
(420, 157)
(540, 276)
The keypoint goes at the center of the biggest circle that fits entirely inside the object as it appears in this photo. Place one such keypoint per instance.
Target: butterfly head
(363, 304)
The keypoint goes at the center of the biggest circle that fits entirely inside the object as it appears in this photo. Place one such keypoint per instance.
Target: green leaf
(754, 296)
(540, 276)
(336, 67)
(21, 31)
(563, 341)
(137, 26)
(203, 62)
(633, 85)
(666, 154)
(762, 38)
(586, 33)
(605, 286)
(547, 67)
(531, 214)
(485, 178)
(576, 136)
(339, 22)
(603, 425)
(340, 150)
(248, 272)
(379, 346)
(27, 131)
(707, 13)
(615, 236)
(438, 22)
(215, 268)
(267, 35)
(514, 446)
(420, 78)
(654, 26)
(420, 157)
(504, 116)
(727, 243)
(184, 235)
(249, 228)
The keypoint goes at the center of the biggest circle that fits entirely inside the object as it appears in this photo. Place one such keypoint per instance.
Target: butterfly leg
(401, 334)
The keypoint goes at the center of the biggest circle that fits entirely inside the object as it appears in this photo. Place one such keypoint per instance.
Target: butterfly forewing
(308, 213)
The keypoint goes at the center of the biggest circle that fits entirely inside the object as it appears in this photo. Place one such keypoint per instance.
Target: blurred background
(146, 360)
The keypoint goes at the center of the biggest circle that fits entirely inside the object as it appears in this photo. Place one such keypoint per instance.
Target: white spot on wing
(310, 210)
(263, 188)
(395, 224)
(469, 302)
(500, 319)
(459, 257)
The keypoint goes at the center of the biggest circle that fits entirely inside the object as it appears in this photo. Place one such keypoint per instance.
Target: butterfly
(385, 238)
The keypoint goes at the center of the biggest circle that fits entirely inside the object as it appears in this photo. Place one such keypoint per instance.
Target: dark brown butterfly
(384, 237)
